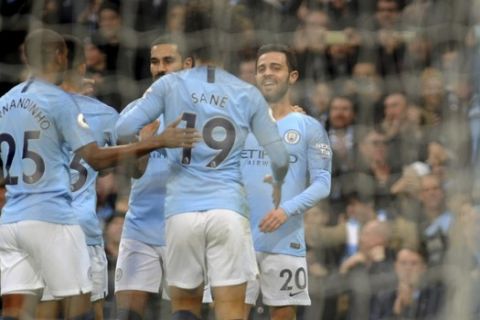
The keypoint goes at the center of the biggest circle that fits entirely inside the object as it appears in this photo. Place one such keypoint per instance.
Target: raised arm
(172, 137)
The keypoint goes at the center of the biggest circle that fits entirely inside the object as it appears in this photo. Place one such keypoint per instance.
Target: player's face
(164, 58)
(273, 76)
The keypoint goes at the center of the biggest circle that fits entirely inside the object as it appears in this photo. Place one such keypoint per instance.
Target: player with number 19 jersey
(36, 175)
(101, 120)
(224, 109)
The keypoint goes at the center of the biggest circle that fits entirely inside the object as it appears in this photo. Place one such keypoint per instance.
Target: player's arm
(172, 137)
(319, 157)
(265, 130)
(145, 110)
(319, 166)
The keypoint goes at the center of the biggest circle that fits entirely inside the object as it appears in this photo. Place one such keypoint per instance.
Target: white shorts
(140, 267)
(35, 254)
(214, 247)
(98, 275)
(283, 281)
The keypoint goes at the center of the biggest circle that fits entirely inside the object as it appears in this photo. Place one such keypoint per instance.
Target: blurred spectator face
(395, 107)
(93, 55)
(387, 13)
(321, 97)
(362, 211)
(432, 87)
(316, 23)
(164, 58)
(338, 4)
(419, 48)
(374, 147)
(246, 71)
(372, 235)
(364, 70)
(409, 267)
(431, 195)
(366, 79)
(273, 77)
(176, 18)
(437, 159)
(341, 113)
(109, 23)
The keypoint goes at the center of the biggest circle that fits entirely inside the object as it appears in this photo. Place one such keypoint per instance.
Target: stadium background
(357, 52)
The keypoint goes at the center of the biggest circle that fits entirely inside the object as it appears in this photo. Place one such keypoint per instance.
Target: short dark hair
(41, 46)
(76, 53)
(205, 29)
(275, 47)
(177, 40)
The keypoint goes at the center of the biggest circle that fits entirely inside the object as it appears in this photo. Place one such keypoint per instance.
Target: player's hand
(298, 109)
(173, 137)
(88, 87)
(149, 130)
(273, 220)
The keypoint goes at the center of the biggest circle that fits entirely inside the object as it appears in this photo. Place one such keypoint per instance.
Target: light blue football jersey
(39, 122)
(307, 182)
(101, 119)
(145, 218)
(224, 109)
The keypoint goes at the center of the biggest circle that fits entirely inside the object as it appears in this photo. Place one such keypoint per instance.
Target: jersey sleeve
(265, 131)
(109, 131)
(72, 124)
(319, 160)
(146, 109)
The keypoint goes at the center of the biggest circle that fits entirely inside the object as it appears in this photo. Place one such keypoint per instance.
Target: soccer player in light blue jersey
(140, 269)
(207, 230)
(41, 242)
(278, 233)
(101, 120)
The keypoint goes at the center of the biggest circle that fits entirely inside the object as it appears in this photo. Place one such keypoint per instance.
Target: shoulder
(93, 106)
(129, 107)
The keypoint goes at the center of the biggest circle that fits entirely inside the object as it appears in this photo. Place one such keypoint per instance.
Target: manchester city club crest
(292, 136)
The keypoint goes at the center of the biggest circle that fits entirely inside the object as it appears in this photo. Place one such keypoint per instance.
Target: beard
(276, 94)
(158, 75)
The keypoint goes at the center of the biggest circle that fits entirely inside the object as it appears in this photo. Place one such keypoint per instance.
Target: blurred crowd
(396, 83)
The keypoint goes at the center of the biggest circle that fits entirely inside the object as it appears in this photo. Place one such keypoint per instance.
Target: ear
(188, 63)
(293, 77)
(82, 69)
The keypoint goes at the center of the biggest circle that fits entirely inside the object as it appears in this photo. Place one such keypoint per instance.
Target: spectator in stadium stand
(374, 174)
(414, 296)
(343, 136)
(119, 44)
(386, 43)
(437, 220)
(405, 144)
(365, 86)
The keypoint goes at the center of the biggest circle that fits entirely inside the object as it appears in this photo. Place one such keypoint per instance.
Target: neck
(281, 108)
(52, 77)
(70, 87)
(72, 82)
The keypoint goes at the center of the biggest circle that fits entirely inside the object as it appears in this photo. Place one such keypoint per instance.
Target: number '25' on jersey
(39, 123)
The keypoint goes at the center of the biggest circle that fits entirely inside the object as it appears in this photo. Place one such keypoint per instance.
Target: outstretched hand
(173, 137)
